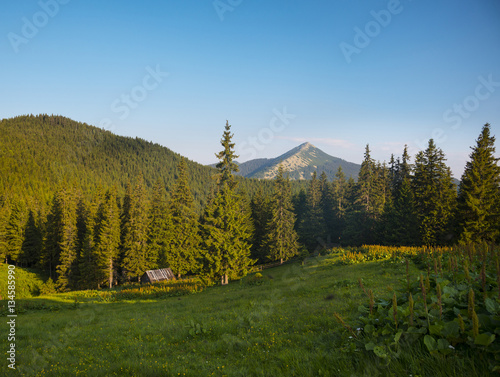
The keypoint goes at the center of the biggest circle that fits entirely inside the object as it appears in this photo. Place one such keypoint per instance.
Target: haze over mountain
(300, 162)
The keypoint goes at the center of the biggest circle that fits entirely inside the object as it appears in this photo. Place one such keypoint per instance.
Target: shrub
(48, 287)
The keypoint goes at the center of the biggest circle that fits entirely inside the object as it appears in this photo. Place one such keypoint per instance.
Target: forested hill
(40, 153)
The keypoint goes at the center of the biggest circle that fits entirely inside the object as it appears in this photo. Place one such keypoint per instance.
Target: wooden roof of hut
(153, 276)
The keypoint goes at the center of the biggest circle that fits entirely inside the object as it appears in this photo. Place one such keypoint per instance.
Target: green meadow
(282, 323)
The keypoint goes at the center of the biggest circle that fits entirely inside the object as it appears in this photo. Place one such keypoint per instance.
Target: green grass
(282, 327)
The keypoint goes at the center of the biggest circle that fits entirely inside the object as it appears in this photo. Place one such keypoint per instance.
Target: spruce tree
(159, 228)
(369, 201)
(366, 180)
(88, 260)
(478, 197)
(300, 206)
(281, 239)
(4, 218)
(51, 249)
(135, 260)
(183, 250)
(225, 228)
(15, 231)
(399, 221)
(435, 196)
(327, 207)
(312, 229)
(66, 239)
(32, 244)
(340, 205)
(260, 209)
(107, 235)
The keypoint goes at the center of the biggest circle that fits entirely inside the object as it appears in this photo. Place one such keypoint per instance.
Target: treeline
(91, 240)
(404, 203)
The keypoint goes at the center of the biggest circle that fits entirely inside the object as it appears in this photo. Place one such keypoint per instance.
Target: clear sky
(337, 73)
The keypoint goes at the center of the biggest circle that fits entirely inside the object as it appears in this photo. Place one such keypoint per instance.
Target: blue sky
(339, 74)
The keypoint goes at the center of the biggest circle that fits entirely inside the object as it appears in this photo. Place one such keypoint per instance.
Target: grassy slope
(283, 327)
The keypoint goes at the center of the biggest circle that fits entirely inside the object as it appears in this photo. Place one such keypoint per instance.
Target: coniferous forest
(93, 209)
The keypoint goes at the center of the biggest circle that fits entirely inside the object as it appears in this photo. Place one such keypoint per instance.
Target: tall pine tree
(135, 222)
(435, 196)
(225, 228)
(107, 238)
(183, 249)
(67, 235)
(399, 221)
(4, 218)
(281, 239)
(159, 228)
(87, 224)
(340, 205)
(14, 231)
(478, 197)
(312, 229)
(32, 242)
(260, 208)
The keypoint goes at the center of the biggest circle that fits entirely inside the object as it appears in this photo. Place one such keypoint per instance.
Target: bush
(48, 287)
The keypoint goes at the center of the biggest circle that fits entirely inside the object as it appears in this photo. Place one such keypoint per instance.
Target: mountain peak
(305, 146)
(299, 162)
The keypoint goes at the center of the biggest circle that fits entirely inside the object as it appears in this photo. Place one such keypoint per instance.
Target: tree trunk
(110, 272)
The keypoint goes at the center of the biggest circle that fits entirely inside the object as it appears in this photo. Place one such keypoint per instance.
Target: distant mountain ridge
(300, 162)
(39, 154)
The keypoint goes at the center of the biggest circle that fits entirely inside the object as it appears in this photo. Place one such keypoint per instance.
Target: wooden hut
(154, 276)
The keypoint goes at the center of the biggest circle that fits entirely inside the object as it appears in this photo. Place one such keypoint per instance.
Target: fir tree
(182, 253)
(435, 195)
(32, 243)
(312, 229)
(399, 221)
(88, 260)
(366, 179)
(66, 238)
(225, 228)
(107, 235)
(159, 228)
(340, 204)
(281, 238)
(15, 231)
(327, 208)
(300, 206)
(226, 165)
(4, 218)
(135, 261)
(478, 197)
(370, 197)
(260, 209)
